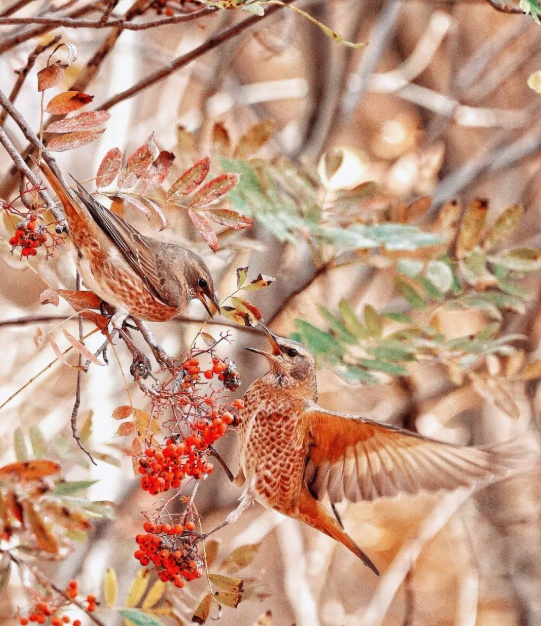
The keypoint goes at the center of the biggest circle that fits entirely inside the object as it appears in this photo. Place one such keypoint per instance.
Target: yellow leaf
(471, 228)
(145, 423)
(154, 595)
(532, 371)
(240, 557)
(227, 583)
(138, 587)
(229, 598)
(110, 587)
(504, 226)
(202, 612)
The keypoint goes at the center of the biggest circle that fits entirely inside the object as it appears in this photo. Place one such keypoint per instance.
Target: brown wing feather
(356, 459)
(133, 246)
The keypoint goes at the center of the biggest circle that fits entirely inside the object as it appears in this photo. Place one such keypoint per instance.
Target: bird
(294, 454)
(140, 276)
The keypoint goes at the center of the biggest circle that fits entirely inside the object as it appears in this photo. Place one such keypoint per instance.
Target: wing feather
(358, 459)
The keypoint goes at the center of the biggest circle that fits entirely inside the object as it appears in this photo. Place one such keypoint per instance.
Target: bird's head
(200, 284)
(292, 365)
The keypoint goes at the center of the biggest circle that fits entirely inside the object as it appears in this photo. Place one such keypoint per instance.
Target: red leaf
(70, 141)
(157, 208)
(99, 320)
(49, 296)
(29, 470)
(109, 167)
(122, 412)
(229, 218)
(137, 203)
(126, 179)
(139, 161)
(44, 538)
(156, 173)
(125, 429)
(214, 189)
(50, 76)
(221, 141)
(80, 299)
(67, 102)
(81, 121)
(204, 228)
(190, 180)
(38, 337)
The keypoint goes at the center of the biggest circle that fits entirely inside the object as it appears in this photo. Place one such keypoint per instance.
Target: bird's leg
(140, 368)
(163, 359)
(246, 501)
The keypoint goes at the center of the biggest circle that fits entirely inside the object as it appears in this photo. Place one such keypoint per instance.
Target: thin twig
(121, 23)
(23, 73)
(14, 8)
(176, 64)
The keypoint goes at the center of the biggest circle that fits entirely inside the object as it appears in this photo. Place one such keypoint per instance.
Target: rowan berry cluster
(29, 236)
(172, 551)
(52, 612)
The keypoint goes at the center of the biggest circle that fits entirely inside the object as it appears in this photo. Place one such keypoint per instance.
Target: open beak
(210, 303)
(272, 340)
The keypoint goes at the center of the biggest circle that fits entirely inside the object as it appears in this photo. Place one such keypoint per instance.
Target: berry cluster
(44, 610)
(29, 236)
(225, 372)
(172, 551)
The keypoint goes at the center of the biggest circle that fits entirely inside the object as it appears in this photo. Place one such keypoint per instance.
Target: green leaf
(401, 236)
(319, 342)
(394, 352)
(409, 267)
(431, 291)
(474, 270)
(372, 321)
(352, 322)
(353, 375)
(440, 275)
(504, 226)
(415, 300)
(19, 445)
(140, 618)
(402, 318)
(384, 366)
(71, 488)
(519, 260)
(39, 445)
(342, 333)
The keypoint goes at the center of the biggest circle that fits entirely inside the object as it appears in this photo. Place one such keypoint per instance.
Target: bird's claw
(140, 368)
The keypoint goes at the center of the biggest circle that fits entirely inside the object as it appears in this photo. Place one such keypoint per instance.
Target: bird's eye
(292, 352)
(202, 283)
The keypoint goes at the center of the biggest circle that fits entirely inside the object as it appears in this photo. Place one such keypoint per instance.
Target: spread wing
(357, 459)
(134, 247)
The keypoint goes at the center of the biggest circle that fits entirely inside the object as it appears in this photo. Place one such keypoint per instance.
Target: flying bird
(138, 275)
(294, 453)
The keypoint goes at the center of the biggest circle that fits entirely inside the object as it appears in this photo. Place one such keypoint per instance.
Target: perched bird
(293, 452)
(139, 276)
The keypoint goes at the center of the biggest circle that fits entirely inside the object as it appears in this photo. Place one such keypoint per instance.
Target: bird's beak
(210, 303)
(272, 340)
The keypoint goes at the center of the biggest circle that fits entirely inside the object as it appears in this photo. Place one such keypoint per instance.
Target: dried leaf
(100, 321)
(80, 300)
(122, 412)
(126, 179)
(125, 429)
(81, 348)
(158, 210)
(137, 203)
(71, 141)
(190, 180)
(45, 539)
(246, 307)
(81, 121)
(240, 557)
(236, 316)
(221, 141)
(67, 102)
(202, 612)
(154, 594)
(227, 583)
(50, 76)
(519, 260)
(138, 587)
(109, 168)
(260, 282)
(254, 139)
(532, 371)
(211, 551)
(156, 173)
(208, 338)
(242, 274)
(204, 228)
(471, 228)
(228, 598)
(70, 51)
(110, 587)
(418, 208)
(49, 296)
(214, 189)
(57, 351)
(332, 160)
(145, 423)
(19, 445)
(504, 226)
(229, 218)
(38, 337)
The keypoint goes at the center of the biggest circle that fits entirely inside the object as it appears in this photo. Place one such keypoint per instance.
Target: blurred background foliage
(395, 196)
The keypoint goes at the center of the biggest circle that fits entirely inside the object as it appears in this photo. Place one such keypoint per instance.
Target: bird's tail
(313, 513)
(72, 209)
